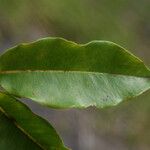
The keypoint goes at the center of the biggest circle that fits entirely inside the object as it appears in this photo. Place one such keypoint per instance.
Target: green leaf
(20, 129)
(60, 73)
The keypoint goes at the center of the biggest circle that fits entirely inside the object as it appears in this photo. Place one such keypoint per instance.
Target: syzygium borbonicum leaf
(20, 129)
(60, 73)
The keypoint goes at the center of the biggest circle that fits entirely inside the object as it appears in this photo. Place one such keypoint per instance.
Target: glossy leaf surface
(60, 73)
(20, 129)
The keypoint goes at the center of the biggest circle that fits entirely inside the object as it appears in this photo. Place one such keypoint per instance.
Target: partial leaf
(20, 129)
(60, 73)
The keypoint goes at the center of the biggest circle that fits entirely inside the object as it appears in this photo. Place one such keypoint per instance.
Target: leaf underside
(20, 129)
(59, 73)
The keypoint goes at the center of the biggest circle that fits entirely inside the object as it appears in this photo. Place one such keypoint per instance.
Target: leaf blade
(24, 128)
(60, 73)
(82, 90)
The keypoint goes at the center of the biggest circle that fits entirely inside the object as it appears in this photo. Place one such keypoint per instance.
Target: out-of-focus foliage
(125, 22)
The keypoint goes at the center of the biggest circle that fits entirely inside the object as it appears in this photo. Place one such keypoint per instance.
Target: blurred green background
(125, 22)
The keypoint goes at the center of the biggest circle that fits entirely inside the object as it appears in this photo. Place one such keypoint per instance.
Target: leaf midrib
(66, 71)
